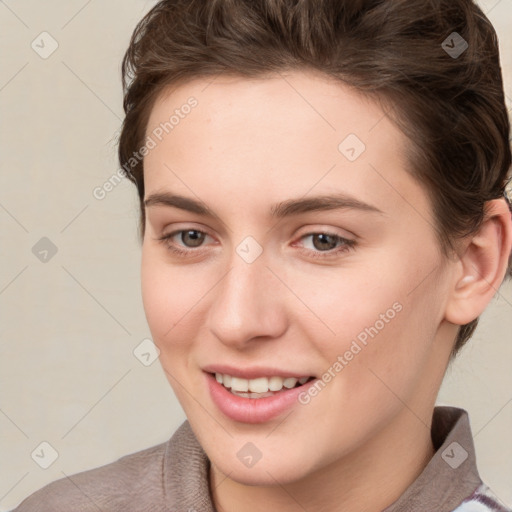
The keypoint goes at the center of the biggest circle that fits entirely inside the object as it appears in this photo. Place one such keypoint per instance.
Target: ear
(482, 266)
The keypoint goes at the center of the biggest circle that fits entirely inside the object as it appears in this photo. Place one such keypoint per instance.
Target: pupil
(197, 237)
(324, 236)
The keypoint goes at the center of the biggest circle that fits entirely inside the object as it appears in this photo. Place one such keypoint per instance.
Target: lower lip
(253, 410)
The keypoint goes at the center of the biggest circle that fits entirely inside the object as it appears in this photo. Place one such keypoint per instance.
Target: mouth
(260, 387)
(256, 400)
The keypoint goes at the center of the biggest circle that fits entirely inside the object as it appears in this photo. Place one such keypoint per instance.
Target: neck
(368, 479)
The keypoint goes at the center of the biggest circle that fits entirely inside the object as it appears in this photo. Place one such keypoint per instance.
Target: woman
(323, 219)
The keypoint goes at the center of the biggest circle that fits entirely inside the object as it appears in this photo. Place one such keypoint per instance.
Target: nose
(248, 303)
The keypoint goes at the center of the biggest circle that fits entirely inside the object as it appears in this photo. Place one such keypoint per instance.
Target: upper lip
(253, 372)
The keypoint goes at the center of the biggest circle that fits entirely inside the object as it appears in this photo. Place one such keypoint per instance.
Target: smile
(234, 397)
(260, 387)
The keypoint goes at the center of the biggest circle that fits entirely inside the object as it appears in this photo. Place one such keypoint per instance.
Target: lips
(254, 372)
(253, 410)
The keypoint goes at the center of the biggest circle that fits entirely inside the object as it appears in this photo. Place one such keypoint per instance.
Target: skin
(247, 145)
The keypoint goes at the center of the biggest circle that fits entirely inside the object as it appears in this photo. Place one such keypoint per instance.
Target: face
(265, 280)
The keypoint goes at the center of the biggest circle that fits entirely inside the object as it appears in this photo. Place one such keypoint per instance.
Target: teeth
(258, 385)
(289, 382)
(238, 384)
(275, 383)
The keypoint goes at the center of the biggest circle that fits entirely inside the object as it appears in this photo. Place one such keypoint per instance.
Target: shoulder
(482, 499)
(133, 482)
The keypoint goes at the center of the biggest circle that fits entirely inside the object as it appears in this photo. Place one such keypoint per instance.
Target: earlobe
(483, 265)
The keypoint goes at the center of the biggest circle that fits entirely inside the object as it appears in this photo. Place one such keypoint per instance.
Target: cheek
(168, 300)
(382, 325)
(343, 303)
(168, 294)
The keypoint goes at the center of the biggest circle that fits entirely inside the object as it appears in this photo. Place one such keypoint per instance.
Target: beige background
(69, 326)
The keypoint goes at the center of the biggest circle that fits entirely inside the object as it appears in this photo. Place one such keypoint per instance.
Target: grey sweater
(173, 477)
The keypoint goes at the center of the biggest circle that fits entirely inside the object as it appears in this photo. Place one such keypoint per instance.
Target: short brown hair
(451, 107)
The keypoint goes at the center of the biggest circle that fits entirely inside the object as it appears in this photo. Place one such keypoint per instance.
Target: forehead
(264, 105)
(293, 132)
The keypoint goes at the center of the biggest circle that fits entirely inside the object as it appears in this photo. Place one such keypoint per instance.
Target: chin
(264, 472)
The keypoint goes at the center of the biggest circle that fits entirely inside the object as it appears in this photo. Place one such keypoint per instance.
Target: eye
(325, 244)
(192, 238)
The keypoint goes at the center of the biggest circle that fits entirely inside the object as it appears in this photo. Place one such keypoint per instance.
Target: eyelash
(347, 244)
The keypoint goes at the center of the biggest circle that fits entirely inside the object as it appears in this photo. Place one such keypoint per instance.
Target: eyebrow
(280, 210)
